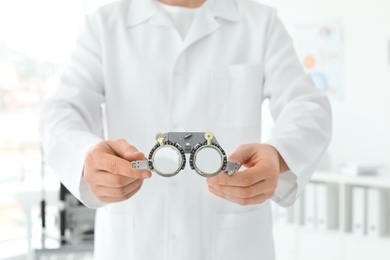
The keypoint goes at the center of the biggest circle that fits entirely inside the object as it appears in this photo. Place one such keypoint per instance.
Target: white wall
(362, 116)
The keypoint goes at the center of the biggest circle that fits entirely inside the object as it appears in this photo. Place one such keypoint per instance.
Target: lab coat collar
(142, 10)
(225, 9)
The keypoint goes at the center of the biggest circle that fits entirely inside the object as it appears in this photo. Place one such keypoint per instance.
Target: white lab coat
(130, 57)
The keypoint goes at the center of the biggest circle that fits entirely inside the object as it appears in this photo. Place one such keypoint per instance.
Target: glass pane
(36, 38)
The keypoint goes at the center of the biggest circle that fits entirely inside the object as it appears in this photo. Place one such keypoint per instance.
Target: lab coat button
(176, 73)
(172, 237)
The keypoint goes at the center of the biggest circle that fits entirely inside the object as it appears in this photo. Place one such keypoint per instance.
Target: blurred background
(344, 213)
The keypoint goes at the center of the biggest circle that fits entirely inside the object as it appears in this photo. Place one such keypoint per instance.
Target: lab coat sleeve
(301, 112)
(71, 119)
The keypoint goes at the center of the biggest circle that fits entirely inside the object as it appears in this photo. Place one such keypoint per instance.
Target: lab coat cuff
(87, 197)
(74, 146)
(291, 182)
(286, 192)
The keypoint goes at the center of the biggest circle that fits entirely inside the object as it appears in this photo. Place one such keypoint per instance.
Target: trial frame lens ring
(207, 172)
(156, 161)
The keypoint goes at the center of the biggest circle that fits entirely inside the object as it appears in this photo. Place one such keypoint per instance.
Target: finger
(102, 178)
(262, 170)
(244, 178)
(117, 199)
(119, 192)
(116, 165)
(128, 152)
(241, 201)
(265, 186)
(242, 155)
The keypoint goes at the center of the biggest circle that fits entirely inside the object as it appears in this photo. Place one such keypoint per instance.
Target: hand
(108, 171)
(255, 184)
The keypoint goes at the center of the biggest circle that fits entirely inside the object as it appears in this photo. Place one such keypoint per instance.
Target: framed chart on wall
(319, 47)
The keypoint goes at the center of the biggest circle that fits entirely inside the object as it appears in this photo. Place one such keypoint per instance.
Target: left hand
(255, 184)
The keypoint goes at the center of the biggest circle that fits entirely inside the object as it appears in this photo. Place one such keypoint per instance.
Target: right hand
(108, 171)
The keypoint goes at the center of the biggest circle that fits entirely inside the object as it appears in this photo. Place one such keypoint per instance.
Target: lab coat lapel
(147, 11)
(206, 22)
(203, 25)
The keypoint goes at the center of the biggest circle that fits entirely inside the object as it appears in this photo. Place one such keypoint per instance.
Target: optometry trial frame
(192, 143)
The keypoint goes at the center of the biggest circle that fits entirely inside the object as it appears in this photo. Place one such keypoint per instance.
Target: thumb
(135, 156)
(242, 155)
(125, 150)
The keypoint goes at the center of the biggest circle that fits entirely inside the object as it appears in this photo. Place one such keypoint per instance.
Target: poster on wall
(319, 47)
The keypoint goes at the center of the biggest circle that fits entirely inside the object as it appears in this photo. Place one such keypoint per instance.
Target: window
(36, 38)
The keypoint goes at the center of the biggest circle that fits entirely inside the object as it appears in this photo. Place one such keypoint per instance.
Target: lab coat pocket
(246, 235)
(237, 95)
